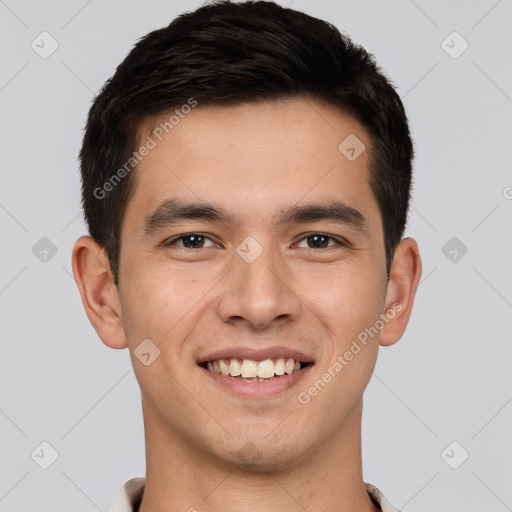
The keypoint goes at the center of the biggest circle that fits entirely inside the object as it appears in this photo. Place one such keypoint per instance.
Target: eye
(190, 241)
(321, 240)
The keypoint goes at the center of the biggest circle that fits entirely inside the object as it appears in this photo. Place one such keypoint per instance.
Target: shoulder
(379, 497)
(130, 495)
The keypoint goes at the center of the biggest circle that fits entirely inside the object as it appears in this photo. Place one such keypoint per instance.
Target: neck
(180, 478)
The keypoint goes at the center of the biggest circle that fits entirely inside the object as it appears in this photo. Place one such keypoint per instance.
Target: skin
(207, 447)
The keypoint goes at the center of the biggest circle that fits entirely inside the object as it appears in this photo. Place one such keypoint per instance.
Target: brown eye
(320, 241)
(190, 241)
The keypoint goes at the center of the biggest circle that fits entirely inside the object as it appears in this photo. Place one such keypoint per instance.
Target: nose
(259, 293)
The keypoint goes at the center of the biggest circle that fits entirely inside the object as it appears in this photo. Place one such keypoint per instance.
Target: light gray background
(447, 380)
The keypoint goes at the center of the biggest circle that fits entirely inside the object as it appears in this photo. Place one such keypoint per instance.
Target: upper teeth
(248, 368)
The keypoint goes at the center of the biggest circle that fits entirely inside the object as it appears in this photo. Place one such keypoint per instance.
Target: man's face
(260, 285)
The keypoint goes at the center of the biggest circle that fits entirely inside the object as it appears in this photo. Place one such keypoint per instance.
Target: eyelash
(339, 242)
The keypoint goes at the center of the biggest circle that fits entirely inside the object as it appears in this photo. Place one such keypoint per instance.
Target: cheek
(150, 303)
(349, 311)
(346, 300)
(161, 304)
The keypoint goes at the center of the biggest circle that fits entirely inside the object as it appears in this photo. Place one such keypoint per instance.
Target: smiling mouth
(254, 371)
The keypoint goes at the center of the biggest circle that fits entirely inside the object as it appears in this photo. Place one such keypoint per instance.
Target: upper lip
(259, 354)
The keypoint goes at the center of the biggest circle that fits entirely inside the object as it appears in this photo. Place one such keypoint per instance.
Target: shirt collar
(130, 496)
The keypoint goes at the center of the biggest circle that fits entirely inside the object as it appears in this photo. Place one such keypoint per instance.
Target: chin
(263, 455)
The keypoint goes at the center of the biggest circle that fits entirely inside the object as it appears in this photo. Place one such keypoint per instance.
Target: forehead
(254, 158)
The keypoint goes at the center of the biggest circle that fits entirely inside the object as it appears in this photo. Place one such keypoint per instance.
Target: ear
(404, 277)
(100, 296)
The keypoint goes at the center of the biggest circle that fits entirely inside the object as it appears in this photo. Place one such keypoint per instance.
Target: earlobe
(404, 277)
(100, 297)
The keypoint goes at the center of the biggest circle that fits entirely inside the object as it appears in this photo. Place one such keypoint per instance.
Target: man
(246, 177)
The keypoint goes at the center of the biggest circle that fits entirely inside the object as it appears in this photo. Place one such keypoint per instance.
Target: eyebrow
(172, 211)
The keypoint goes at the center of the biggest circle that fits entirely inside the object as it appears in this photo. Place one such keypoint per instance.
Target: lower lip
(258, 389)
